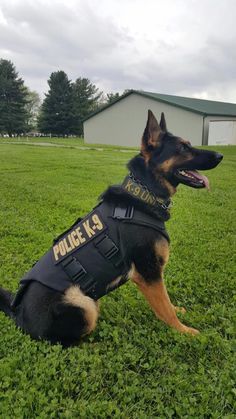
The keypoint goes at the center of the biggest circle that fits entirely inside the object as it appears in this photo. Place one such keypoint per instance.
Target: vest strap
(77, 273)
(133, 216)
(108, 249)
(73, 268)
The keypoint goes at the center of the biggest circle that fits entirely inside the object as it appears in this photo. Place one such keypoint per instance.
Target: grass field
(132, 366)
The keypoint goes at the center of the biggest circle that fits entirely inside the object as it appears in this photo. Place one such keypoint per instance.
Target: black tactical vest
(90, 254)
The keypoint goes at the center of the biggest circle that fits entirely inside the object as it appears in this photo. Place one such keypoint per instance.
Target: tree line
(65, 106)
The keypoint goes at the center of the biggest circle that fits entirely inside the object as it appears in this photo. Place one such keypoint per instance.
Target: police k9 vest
(90, 254)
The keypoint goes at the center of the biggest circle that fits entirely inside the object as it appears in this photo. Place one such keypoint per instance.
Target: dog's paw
(190, 330)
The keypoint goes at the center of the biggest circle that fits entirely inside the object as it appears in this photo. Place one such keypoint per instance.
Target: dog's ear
(163, 125)
(150, 139)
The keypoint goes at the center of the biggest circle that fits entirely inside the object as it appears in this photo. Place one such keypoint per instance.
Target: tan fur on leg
(75, 297)
(157, 296)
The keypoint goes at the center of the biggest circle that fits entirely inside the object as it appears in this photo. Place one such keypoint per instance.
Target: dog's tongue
(201, 177)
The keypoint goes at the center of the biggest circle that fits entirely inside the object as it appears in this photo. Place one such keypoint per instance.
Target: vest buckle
(123, 213)
(73, 268)
(106, 247)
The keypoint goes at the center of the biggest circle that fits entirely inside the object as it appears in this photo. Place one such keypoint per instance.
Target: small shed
(203, 122)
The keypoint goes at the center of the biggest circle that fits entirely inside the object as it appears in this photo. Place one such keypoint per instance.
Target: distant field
(132, 366)
(74, 142)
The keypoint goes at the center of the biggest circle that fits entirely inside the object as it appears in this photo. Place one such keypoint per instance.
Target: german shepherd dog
(164, 162)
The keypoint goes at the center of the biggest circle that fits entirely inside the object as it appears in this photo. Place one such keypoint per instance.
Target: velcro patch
(86, 230)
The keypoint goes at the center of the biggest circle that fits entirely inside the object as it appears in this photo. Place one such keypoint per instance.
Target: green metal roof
(205, 107)
(200, 106)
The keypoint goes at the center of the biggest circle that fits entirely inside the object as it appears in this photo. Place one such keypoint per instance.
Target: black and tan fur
(164, 161)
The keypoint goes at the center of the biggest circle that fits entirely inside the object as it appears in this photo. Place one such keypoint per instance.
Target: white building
(203, 122)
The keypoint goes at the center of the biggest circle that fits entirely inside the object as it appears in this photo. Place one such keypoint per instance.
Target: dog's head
(172, 158)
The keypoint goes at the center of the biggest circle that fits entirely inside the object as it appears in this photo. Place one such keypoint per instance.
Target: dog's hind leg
(75, 298)
(158, 298)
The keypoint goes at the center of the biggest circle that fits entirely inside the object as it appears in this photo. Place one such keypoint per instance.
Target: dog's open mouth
(192, 178)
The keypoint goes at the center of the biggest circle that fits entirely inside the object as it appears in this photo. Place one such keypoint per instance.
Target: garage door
(222, 132)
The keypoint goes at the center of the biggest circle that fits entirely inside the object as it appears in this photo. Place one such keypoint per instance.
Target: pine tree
(86, 98)
(112, 97)
(56, 116)
(13, 100)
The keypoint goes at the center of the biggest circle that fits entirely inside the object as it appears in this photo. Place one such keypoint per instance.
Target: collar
(141, 192)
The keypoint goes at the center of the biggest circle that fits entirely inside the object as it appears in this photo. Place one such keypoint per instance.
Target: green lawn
(132, 366)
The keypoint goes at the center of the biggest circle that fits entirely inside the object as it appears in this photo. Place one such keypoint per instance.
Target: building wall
(123, 123)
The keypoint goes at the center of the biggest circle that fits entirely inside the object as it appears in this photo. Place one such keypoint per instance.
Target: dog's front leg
(157, 296)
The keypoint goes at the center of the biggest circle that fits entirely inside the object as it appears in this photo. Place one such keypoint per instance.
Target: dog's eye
(183, 147)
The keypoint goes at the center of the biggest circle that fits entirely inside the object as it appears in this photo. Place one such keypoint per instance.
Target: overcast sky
(183, 47)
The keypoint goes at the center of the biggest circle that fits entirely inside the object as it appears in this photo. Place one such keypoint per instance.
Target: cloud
(164, 46)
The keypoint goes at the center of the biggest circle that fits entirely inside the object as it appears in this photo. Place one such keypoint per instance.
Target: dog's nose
(219, 157)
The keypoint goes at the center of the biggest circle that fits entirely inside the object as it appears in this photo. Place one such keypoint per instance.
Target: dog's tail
(6, 298)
